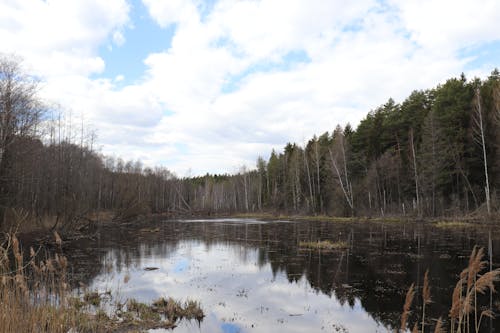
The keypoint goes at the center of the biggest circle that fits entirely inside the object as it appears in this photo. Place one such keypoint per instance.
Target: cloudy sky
(208, 86)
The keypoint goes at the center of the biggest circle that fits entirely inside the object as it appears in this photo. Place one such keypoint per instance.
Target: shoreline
(106, 219)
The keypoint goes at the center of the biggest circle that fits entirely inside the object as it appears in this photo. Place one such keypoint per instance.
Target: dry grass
(439, 326)
(311, 218)
(264, 216)
(407, 305)
(454, 224)
(426, 297)
(321, 218)
(35, 297)
(324, 218)
(33, 294)
(324, 245)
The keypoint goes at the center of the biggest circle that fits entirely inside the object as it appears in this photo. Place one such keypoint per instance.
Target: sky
(209, 86)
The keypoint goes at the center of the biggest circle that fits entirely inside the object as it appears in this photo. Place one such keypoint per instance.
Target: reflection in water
(251, 276)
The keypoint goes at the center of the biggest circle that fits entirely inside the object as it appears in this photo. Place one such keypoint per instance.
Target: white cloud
(60, 37)
(172, 11)
(223, 91)
(118, 38)
(448, 25)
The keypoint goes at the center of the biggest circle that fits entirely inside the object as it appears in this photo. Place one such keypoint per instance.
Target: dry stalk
(439, 326)
(426, 296)
(464, 300)
(406, 307)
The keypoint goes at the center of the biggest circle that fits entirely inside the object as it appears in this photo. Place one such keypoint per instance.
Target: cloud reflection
(237, 293)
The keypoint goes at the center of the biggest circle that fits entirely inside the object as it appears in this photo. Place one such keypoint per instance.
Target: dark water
(251, 276)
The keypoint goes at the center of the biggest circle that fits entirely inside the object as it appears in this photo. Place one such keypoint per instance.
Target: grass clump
(325, 245)
(192, 310)
(143, 311)
(453, 224)
(389, 219)
(92, 298)
(174, 309)
(325, 218)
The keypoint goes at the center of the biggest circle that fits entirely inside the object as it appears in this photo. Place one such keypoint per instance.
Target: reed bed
(35, 297)
(466, 313)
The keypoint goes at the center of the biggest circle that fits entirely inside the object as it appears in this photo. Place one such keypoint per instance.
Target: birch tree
(415, 172)
(339, 163)
(479, 131)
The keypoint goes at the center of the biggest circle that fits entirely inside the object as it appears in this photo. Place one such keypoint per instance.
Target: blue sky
(142, 37)
(208, 86)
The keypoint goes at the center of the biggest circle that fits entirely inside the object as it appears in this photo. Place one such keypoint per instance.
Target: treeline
(436, 153)
(50, 172)
(51, 175)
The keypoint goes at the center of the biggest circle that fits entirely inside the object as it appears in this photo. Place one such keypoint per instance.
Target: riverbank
(457, 221)
(89, 225)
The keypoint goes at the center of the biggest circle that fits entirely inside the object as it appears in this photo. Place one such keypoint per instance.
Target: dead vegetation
(325, 245)
(35, 297)
(466, 314)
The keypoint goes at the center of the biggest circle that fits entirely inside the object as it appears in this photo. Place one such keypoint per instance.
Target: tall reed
(407, 305)
(470, 283)
(35, 297)
(464, 312)
(426, 296)
(34, 294)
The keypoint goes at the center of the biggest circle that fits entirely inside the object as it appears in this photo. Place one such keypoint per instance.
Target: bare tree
(20, 108)
(339, 157)
(318, 181)
(20, 113)
(414, 158)
(479, 129)
(306, 163)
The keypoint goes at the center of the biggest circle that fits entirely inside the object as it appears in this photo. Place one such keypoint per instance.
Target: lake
(254, 276)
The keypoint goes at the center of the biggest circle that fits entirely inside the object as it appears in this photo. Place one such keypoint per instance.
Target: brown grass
(464, 316)
(426, 297)
(456, 302)
(454, 224)
(324, 245)
(439, 326)
(406, 307)
(35, 297)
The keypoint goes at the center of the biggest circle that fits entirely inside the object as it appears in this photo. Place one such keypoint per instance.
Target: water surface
(252, 276)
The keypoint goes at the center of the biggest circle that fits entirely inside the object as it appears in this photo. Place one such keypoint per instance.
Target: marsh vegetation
(36, 296)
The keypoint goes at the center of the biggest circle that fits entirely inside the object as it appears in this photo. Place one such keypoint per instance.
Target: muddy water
(252, 276)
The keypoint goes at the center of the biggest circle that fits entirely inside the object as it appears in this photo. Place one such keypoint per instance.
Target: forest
(437, 153)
